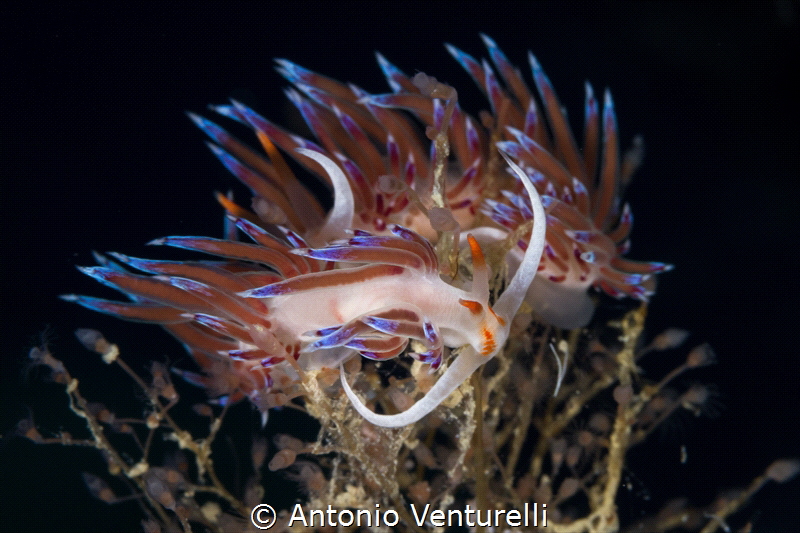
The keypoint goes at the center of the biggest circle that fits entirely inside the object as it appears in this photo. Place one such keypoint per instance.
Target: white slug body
(375, 309)
(253, 339)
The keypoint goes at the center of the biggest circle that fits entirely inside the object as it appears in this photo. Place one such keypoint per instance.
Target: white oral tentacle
(459, 371)
(340, 217)
(508, 303)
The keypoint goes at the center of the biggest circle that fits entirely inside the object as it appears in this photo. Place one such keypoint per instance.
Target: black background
(98, 155)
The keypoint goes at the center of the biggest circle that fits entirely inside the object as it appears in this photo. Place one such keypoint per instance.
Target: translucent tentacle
(341, 215)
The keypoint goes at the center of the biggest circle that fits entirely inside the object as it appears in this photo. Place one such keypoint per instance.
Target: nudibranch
(273, 309)
(315, 288)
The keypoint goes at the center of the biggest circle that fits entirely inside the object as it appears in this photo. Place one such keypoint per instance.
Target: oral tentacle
(508, 303)
(341, 216)
(459, 371)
